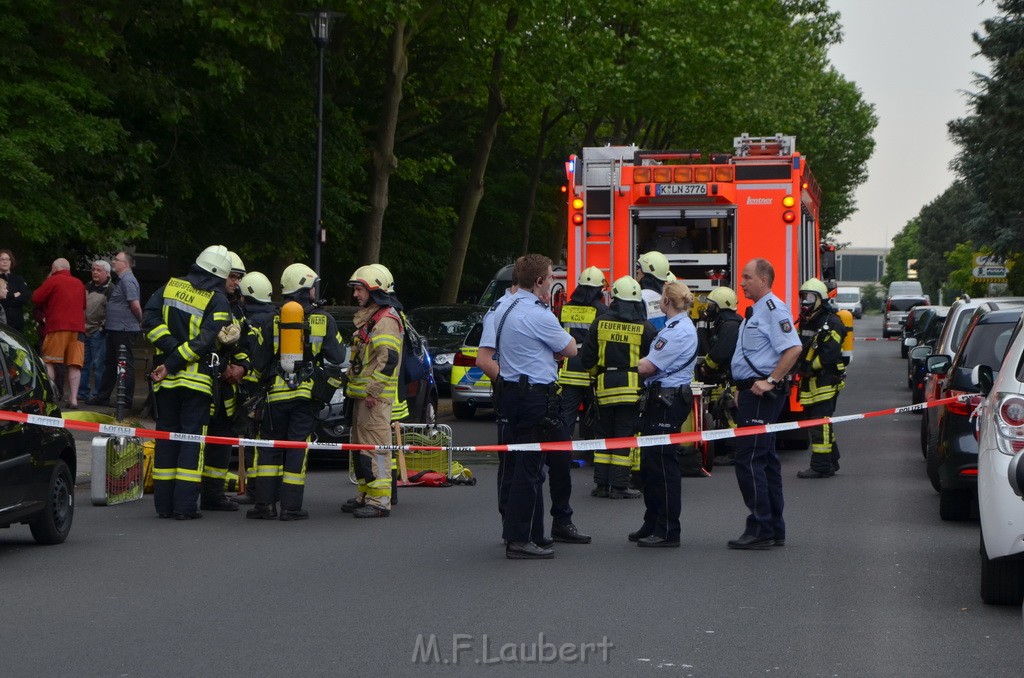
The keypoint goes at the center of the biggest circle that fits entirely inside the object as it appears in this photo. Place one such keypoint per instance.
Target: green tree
(991, 138)
(943, 223)
(904, 247)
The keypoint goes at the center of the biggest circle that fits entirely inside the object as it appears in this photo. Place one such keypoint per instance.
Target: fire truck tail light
(703, 174)
(683, 175)
(577, 218)
(662, 175)
(577, 203)
(789, 216)
(724, 173)
(641, 175)
(788, 201)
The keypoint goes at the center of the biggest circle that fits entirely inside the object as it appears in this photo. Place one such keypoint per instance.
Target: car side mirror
(920, 352)
(910, 342)
(938, 364)
(981, 378)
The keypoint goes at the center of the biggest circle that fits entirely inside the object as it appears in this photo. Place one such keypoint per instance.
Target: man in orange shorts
(61, 300)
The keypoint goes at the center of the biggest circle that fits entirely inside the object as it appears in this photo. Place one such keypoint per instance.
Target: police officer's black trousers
(659, 468)
(824, 450)
(612, 468)
(216, 457)
(289, 420)
(758, 470)
(178, 465)
(522, 482)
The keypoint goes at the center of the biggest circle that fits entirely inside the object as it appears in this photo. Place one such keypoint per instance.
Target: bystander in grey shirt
(119, 314)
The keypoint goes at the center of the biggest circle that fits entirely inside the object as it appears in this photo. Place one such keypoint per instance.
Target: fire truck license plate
(682, 189)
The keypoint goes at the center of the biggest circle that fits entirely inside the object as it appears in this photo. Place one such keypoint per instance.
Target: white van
(848, 299)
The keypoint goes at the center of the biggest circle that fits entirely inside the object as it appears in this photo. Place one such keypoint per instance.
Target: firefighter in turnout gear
(577, 315)
(724, 324)
(255, 289)
(234, 364)
(182, 320)
(299, 355)
(399, 411)
(822, 372)
(376, 359)
(616, 342)
(652, 273)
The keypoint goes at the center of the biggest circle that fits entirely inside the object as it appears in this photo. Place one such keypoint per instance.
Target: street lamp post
(320, 27)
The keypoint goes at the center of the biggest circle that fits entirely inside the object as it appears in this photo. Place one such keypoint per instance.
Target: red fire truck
(709, 217)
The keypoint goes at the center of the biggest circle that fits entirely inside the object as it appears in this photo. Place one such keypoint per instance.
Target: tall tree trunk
(546, 126)
(384, 161)
(475, 187)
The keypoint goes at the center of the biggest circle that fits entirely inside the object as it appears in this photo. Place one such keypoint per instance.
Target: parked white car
(1000, 427)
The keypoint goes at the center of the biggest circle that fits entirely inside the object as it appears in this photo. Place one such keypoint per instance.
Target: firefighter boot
(618, 481)
(218, 503)
(599, 491)
(294, 514)
(262, 512)
(821, 467)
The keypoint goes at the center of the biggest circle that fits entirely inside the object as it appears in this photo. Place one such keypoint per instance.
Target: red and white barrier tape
(568, 445)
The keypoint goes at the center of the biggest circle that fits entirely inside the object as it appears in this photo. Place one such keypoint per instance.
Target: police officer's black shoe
(652, 541)
(192, 515)
(622, 493)
(165, 514)
(601, 492)
(639, 534)
(526, 550)
(221, 503)
(811, 473)
(351, 505)
(371, 512)
(543, 542)
(751, 543)
(780, 542)
(568, 534)
(294, 514)
(262, 512)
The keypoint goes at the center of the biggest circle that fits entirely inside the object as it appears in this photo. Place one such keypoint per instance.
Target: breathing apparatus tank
(291, 346)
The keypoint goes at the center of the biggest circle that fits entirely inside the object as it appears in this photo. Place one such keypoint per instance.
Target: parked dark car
(953, 467)
(926, 332)
(896, 309)
(421, 396)
(37, 463)
(910, 327)
(445, 327)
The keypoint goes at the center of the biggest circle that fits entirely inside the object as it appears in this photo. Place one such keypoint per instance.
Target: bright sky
(912, 59)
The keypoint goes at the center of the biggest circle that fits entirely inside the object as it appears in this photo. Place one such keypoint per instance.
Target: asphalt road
(870, 583)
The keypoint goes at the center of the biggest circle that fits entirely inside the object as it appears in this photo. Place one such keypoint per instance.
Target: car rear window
(987, 345)
(475, 334)
(848, 297)
(902, 305)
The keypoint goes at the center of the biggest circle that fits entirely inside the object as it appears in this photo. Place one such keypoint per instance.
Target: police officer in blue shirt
(767, 349)
(527, 340)
(668, 371)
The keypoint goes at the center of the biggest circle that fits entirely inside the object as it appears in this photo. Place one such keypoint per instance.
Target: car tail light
(1009, 419)
(463, 360)
(411, 389)
(963, 407)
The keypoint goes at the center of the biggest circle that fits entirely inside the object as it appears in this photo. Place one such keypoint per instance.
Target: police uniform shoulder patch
(660, 344)
(785, 325)
(495, 306)
(673, 323)
(770, 304)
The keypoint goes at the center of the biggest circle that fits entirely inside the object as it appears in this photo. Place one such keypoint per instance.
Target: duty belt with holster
(552, 415)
